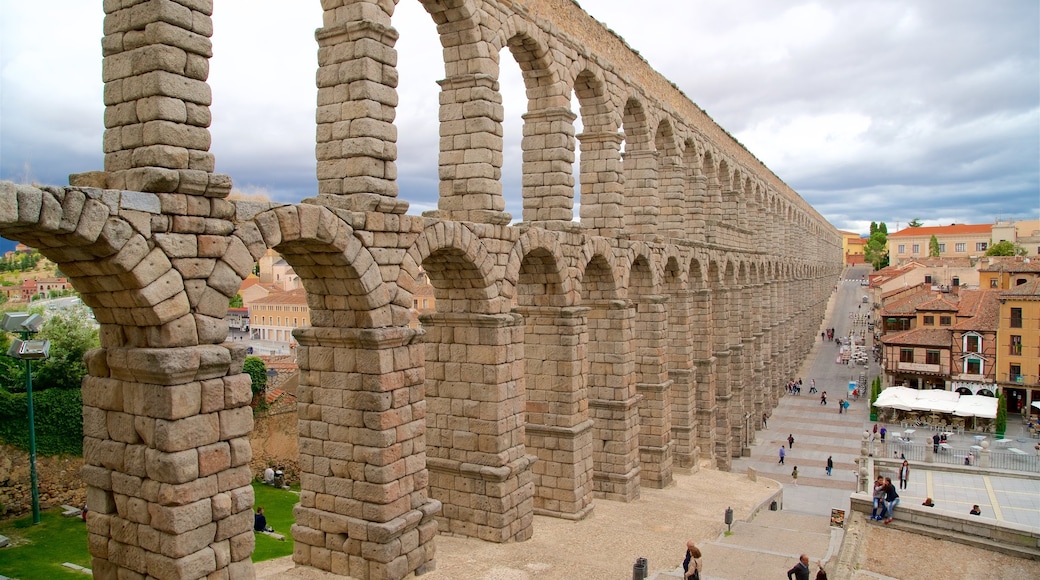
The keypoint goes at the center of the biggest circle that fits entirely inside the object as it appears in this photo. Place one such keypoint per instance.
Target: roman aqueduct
(569, 361)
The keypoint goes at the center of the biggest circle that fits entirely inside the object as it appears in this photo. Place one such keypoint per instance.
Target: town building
(1005, 272)
(955, 241)
(853, 247)
(1018, 336)
(273, 318)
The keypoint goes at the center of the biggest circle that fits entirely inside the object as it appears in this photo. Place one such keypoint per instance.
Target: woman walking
(904, 474)
(692, 564)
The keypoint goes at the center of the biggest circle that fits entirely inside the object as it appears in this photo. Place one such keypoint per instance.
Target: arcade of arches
(568, 362)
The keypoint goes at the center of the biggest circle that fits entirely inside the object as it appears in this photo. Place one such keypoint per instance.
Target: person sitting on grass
(260, 521)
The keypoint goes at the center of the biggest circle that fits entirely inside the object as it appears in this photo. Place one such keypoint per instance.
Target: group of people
(692, 565)
(795, 387)
(886, 498)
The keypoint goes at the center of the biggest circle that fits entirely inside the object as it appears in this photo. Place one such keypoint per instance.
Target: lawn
(39, 551)
(278, 507)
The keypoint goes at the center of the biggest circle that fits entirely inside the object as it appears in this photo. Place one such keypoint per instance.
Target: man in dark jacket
(800, 570)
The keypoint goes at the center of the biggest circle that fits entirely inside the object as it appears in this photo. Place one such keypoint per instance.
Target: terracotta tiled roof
(1028, 291)
(1010, 264)
(938, 304)
(906, 306)
(950, 230)
(291, 297)
(980, 310)
(920, 337)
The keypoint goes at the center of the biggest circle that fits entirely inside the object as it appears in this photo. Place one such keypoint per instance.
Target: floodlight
(16, 346)
(33, 323)
(34, 349)
(12, 321)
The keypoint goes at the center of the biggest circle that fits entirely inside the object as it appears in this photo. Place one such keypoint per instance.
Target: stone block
(179, 467)
(191, 432)
(235, 423)
(195, 565)
(234, 525)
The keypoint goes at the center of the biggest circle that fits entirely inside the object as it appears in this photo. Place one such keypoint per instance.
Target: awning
(938, 401)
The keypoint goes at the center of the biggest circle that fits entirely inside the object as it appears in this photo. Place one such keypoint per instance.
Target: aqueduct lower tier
(621, 362)
(566, 362)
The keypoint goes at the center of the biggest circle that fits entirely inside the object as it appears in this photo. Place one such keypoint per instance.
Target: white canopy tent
(938, 401)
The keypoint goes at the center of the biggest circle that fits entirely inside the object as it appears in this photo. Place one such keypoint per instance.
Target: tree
(915, 223)
(1005, 248)
(1001, 422)
(71, 335)
(876, 250)
(933, 247)
(236, 302)
(256, 369)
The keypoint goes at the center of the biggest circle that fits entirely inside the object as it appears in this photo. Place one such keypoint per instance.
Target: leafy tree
(876, 250)
(71, 335)
(915, 223)
(933, 247)
(236, 302)
(1005, 248)
(256, 369)
(873, 227)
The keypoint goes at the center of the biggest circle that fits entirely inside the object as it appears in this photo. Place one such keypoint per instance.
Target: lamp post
(28, 350)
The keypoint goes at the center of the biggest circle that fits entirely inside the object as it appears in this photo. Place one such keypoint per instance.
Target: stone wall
(567, 362)
(58, 480)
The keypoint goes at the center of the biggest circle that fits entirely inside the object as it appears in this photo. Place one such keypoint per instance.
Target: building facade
(1018, 355)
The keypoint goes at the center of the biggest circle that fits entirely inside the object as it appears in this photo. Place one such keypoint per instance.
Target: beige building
(1018, 339)
(1025, 233)
(853, 246)
(274, 317)
(955, 241)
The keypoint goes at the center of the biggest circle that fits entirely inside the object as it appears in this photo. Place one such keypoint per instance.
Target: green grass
(278, 505)
(38, 551)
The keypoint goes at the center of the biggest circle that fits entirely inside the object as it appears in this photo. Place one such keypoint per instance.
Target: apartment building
(955, 241)
(1018, 354)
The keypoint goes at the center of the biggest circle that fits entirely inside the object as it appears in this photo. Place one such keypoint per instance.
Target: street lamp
(28, 350)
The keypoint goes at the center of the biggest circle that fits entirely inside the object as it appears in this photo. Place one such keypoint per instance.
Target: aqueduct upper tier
(569, 360)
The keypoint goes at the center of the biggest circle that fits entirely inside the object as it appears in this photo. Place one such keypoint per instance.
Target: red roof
(950, 230)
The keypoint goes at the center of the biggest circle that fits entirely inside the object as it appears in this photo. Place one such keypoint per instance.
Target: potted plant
(1001, 422)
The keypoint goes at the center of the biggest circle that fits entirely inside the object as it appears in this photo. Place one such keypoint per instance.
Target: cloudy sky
(872, 110)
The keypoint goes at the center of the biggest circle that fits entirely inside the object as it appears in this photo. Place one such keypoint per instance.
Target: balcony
(1018, 379)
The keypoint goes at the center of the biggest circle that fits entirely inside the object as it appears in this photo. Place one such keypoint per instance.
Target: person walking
(830, 465)
(904, 474)
(783, 452)
(882, 432)
(800, 570)
(692, 563)
(790, 441)
(794, 475)
(823, 398)
(874, 436)
(841, 406)
(812, 385)
(935, 443)
(891, 500)
(765, 421)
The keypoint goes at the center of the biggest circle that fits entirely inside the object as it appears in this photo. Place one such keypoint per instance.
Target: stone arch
(640, 161)
(601, 174)
(459, 267)
(342, 279)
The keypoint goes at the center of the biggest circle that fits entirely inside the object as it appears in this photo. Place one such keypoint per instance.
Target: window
(1016, 318)
(1020, 281)
(973, 366)
(971, 343)
(917, 248)
(902, 249)
(928, 279)
(1016, 344)
(956, 281)
(931, 357)
(942, 248)
(992, 282)
(944, 320)
(959, 247)
(981, 246)
(929, 321)
(1015, 373)
(906, 355)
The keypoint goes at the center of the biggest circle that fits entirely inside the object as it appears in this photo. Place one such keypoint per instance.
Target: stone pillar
(673, 205)
(725, 379)
(655, 427)
(156, 61)
(697, 208)
(166, 462)
(357, 96)
(713, 202)
(684, 380)
(558, 427)
(548, 178)
(471, 150)
(613, 401)
(642, 204)
(479, 468)
(602, 183)
(706, 372)
(364, 510)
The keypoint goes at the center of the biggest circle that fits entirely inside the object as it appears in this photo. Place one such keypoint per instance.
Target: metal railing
(960, 455)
